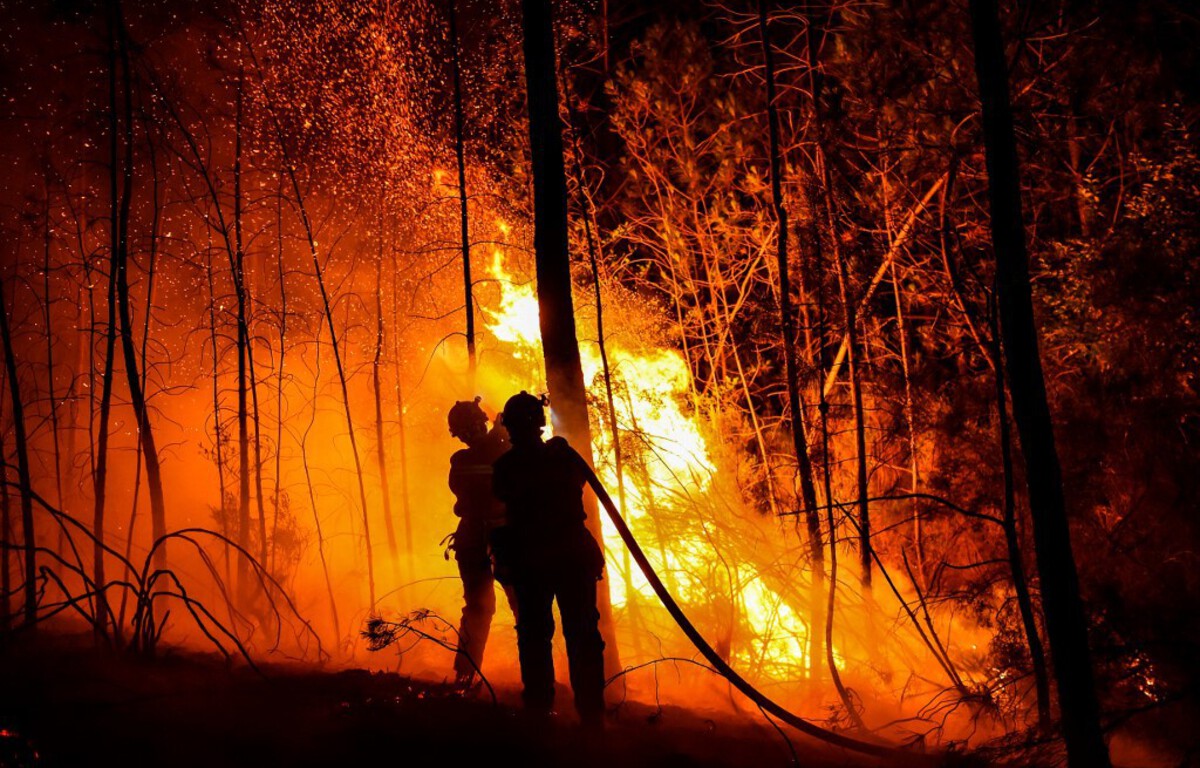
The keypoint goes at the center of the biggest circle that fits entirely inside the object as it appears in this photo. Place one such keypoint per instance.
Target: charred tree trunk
(460, 158)
(120, 271)
(5, 523)
(564, 373)
(1066, 622)
(153, 258)
(243, 342)
(401, 434)
(854, 370)
(822, 201)
(1037, 654)
(787, 329)
(218, 432)
(47, 303)
(100, 468)
(312, 494)
(281, 371)
(909, 412)
(22, 447)
(377, 386)
(259, 499)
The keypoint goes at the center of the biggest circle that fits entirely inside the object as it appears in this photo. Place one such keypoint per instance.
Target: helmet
(465, 415)
(523, 410)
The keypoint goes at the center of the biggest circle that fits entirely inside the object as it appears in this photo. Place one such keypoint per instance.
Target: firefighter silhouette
(545, 552)
(478, 512)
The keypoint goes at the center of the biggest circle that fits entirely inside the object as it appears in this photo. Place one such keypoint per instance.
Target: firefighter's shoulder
(461, 457)
(559, 446)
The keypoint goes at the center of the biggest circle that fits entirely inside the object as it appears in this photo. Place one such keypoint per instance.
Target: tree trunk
(1037, 653)
(401, 434)
(48, 321)
(377, 386)
(100, 467)
(243, 414)
(460, 157)
(248, 304)
(312, 494)
(153, 258)
(787, 329)
(564, 373)
(120, 269)
(18, 415)
(218, 433)
(280, 372)
(5, 524)
(854, 369)
(1066, 622)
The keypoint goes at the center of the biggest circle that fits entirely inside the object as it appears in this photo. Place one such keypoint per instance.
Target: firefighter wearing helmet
(478, 512)
(546, 553)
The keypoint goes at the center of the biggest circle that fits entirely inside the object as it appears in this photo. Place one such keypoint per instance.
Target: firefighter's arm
(457, 481)
(574, 459)
(500, 482)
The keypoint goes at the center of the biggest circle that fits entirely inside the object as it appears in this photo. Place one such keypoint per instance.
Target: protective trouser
(479, 606)
(576, 594)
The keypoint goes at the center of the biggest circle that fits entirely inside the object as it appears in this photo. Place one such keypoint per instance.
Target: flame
(668, 467)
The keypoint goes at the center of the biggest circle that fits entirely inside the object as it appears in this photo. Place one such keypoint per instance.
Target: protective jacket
(541, 487)
(477, 508)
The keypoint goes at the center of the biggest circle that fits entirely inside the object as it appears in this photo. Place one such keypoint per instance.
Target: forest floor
(72, 705)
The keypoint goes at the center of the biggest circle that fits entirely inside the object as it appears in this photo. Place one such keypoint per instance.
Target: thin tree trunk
(100, 469)
(1037, 654)
(22, 447)
(244, 579)
(81, 360)
(218, 433)
(377, 387)
(850, 319)
(564, 373)
(787, 328)
(280, 378)
(827, 473)
(909, 419)
(120, 265)
(137, 475)
(49, 325)
(265, 544)
(1066, 622)
(5, 522)
(401, 436)
(460, 157)
(312, 495)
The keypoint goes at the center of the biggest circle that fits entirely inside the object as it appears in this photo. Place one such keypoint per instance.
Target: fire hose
(902, 756)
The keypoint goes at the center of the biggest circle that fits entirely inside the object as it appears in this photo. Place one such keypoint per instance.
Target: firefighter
(478, 512)
(547, 553)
